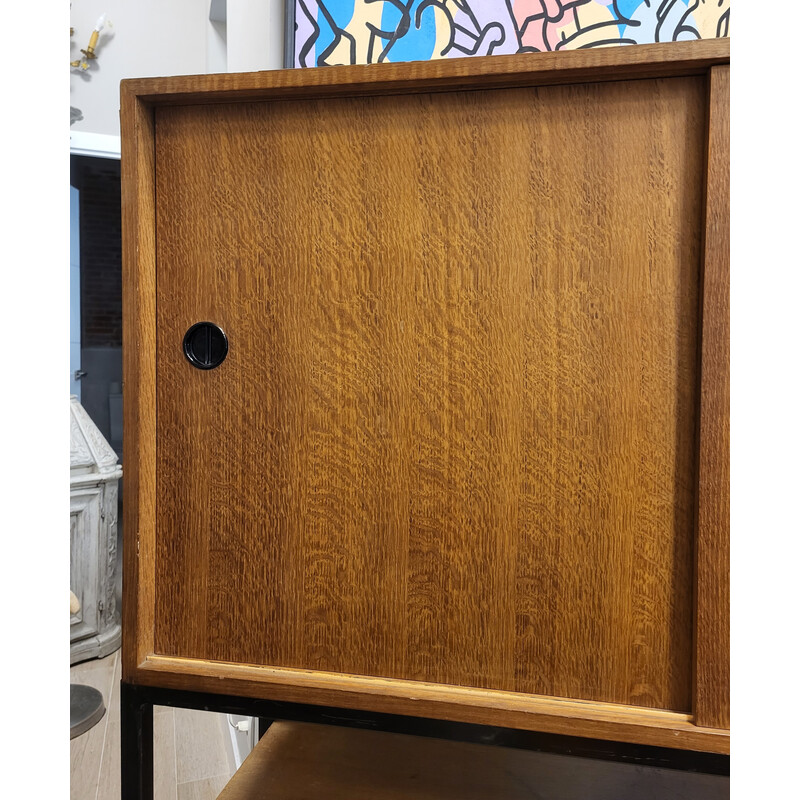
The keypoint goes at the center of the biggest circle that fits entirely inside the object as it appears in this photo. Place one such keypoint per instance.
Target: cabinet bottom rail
(137, 703)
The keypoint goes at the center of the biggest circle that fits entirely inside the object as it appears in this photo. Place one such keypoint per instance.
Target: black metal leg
(136, 757)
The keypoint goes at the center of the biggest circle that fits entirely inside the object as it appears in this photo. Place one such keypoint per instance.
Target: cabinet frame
(705, 728)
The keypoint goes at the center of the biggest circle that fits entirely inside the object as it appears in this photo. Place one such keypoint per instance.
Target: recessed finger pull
(205, 345)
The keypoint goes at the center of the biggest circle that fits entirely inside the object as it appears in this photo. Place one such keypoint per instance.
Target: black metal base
(136, 729)
(137, 733)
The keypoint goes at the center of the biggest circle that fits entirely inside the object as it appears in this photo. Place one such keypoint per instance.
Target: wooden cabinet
(466, 457)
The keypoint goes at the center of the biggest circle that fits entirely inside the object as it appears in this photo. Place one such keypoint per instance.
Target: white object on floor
(243, 731)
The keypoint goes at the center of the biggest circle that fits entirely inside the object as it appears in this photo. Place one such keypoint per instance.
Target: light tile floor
(192, 753)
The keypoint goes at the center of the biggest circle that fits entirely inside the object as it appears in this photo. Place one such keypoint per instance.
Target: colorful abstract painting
(331, 32)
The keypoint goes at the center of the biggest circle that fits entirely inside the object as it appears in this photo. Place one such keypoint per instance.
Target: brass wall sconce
(89, 53)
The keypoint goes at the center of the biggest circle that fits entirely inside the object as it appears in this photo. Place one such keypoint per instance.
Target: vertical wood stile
(712, 660)
(139, 363)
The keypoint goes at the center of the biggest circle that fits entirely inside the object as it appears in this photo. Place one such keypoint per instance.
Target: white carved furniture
(94, 481)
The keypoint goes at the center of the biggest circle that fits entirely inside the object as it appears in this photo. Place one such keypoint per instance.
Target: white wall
(148, 38)
(255, 34)
(162, 38)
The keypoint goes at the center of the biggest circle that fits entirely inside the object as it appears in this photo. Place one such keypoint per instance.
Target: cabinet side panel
(712, 681)
(139, 378)
(453, 439)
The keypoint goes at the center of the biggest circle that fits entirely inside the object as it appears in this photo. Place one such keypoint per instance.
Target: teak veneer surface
(453, 438)
(447, 74)
(712, 699)
(466, 458)
(296, 760)
(299, 761)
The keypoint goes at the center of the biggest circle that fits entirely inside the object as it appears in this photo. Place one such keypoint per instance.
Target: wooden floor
(193, 757)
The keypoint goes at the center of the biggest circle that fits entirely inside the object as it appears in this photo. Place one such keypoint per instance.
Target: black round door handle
(205, 345)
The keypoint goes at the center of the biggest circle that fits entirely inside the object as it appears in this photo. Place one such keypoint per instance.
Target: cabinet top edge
(481, 72)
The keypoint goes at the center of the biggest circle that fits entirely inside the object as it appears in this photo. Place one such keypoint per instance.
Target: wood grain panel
(453, 440)
(139, 378)
(295, 761)
(712, 682)
(666, 59)
(298, 761)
